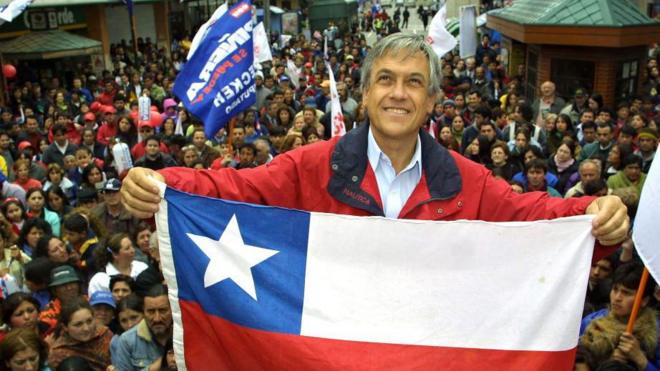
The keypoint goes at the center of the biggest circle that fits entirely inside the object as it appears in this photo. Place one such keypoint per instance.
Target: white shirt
(101, 280)
(394, 189)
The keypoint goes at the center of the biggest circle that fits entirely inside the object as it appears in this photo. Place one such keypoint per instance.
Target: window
(569, 74)
(532, 75)
(626, 79)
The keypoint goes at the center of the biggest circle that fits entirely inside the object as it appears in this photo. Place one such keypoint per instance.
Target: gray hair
(403, 43)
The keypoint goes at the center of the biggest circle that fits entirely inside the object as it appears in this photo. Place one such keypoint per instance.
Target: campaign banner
(266, 288)
(217, 82)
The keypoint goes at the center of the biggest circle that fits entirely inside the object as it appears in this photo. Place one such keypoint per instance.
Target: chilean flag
(264, 288)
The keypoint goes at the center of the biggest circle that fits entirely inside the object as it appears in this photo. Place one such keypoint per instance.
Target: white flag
(293, 72)
(178, 129)
(13, 9)
(338, 127)
(439, 38)
(203, 30)
(260, 41)
(645, 231)
(468, 31)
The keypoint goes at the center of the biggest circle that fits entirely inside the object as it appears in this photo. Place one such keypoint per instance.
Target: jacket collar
(349, 164)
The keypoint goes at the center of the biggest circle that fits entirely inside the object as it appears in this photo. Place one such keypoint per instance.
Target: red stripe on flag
(212, 343)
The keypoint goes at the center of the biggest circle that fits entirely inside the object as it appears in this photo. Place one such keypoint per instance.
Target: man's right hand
(139, 193)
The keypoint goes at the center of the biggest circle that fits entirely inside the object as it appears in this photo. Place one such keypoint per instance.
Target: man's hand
(629, 346)
(610, 226)
(139, 193)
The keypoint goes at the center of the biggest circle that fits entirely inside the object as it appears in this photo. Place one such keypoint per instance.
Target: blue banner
(217, 82)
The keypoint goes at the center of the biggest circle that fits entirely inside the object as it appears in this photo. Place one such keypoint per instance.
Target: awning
(49, 3)
(49, 45)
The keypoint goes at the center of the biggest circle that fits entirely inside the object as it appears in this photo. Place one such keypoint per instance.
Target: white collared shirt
(394, 189)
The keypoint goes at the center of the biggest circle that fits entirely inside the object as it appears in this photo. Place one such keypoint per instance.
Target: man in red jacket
(387, 167)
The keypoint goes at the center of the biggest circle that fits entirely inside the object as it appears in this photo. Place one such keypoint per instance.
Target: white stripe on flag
(385, 281)
(645, 231)
(167, 259)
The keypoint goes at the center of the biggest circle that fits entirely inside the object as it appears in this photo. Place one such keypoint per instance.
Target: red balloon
(9, 71)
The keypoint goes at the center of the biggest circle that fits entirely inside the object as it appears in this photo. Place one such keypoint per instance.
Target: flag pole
(638, 301)
(134, 35)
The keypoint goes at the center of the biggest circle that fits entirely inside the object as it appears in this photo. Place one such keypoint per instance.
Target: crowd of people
(81, 284)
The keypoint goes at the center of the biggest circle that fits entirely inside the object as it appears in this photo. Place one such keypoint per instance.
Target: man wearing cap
(647, 142)
(108, 128)
(355, 174)
(65, 286)
(60, 147)
(111, 211)
(31, 133)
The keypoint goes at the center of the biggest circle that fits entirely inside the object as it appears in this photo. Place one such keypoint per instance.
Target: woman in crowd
(284, 117)
(32, 231)
(563, 128)
(93, 176)
(446, 138)
(117, 258)
(23, 349)
(22, 171)
(563, 164)
(189, 155)
(55, 177)
(617, 153)
(58, 202)
(55, 250)
(126, 131)
(457, 128)
(292, 141)
(79, 335)
(499, 155)
(129, 312)
(36, 202)
(14, 212)
(21, 310)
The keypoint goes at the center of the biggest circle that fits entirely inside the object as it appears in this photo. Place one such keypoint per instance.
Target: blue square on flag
(249, 258)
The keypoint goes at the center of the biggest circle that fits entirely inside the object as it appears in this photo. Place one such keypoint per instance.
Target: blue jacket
(135, 349)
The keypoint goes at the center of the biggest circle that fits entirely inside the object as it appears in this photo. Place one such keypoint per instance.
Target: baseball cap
(23, 145)
(108, 109)
(308, 64)
(112, 185)
(62, 275)
(102, 297)
(86, 194)
(89, 116)
(580, 92)
(169, 102)
(284, 78)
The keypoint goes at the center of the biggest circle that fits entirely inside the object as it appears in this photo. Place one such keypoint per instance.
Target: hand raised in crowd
(610, 226)
(139, 193)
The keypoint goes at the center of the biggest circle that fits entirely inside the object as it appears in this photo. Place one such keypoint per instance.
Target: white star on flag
(229, 257)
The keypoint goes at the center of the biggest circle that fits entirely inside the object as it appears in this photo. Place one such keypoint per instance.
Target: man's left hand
(610, 226)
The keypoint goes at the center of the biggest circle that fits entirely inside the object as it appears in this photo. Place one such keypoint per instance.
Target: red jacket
(335, 177)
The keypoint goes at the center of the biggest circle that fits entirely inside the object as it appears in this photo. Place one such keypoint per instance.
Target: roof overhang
(593, 36)
(49, 45)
